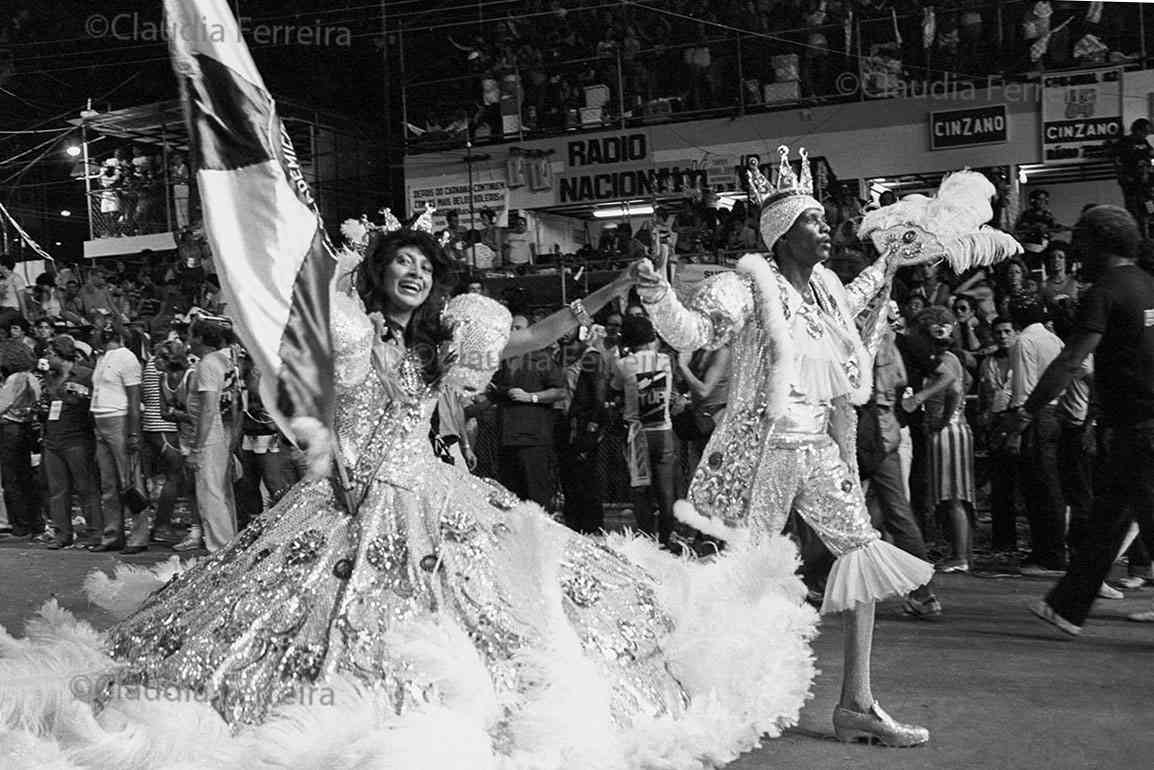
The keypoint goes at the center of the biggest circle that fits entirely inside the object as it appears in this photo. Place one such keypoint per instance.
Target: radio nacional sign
(969, 127)
(620, 167)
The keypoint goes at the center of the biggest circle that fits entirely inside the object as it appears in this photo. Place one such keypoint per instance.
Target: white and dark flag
(268, 241)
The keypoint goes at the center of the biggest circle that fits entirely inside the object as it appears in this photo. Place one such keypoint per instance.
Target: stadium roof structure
(162, 123)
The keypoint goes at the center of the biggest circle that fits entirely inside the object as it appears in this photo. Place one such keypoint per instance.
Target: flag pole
(342, 481)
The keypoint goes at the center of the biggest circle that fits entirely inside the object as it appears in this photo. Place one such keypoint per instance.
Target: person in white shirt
(13, 287)
(116, 414)
(518, 244)
(1034, 350)
(645, 376)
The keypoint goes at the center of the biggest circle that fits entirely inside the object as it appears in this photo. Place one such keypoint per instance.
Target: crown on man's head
(763, 192)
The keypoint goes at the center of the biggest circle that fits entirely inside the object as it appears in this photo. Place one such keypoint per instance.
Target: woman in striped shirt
(162, 449)
(950, 438)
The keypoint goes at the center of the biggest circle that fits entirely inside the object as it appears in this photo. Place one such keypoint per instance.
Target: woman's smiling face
(408, 279)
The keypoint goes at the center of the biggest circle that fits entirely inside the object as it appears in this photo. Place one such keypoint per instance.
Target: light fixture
(73, 151)
(615, 212)
(58, 243)
(1022, 177)
(65, 213)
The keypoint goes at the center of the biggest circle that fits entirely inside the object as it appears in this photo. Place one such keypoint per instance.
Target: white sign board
(1081, 115)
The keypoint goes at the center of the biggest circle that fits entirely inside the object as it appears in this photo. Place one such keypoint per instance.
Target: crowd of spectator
(138, 192)
(965, 353)
(561, 65)
(113, 362)
(124, 387)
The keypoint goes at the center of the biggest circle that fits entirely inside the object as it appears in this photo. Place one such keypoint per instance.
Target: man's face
(808, 240)
(941, 331)
(1005, 336)
(520, 322)
(476, 287)
(72, 288)
(1040, 202)
(43, 331)
(613, 329)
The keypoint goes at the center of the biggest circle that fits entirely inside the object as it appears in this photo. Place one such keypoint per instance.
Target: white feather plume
(353, 230)
(122, 594)
(979, 249)
(955, 217)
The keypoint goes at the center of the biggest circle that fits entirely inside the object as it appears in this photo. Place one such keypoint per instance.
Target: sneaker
(192, 541)
(953, 565)
(165, 534)
(1142, 617)
(1046, 613)
(929, 608)
(1131, 582)
(1109, 592)
(1037, 570)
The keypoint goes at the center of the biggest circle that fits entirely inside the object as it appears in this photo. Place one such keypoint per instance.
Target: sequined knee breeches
(808, 475)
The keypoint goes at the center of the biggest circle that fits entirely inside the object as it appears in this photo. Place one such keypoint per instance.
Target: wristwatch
(533, 397)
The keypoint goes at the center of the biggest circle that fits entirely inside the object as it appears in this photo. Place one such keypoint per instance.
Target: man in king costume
(800, 365)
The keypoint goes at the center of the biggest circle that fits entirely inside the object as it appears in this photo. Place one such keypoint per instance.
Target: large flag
(268, 241)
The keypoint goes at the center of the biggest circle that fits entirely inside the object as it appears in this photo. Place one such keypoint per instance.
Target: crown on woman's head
(763, 192)
(424, 223)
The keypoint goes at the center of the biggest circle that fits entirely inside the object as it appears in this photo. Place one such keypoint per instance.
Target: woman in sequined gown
(441, 623)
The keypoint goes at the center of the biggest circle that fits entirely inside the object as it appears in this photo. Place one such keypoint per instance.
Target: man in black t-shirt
(527, 388)
(1132, 163)
(1116, 324)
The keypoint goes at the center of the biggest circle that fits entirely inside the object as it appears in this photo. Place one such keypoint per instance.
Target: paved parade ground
(997, 688)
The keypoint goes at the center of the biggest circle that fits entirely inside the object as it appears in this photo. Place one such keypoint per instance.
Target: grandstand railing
(142, 209)
(748, 72)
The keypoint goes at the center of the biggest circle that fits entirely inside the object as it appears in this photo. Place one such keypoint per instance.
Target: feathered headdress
(783, 201)
(951, 225)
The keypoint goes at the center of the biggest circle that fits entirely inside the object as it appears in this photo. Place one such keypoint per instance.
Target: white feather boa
(771, 317)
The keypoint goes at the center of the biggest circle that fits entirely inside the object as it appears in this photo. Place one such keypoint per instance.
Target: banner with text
(1081, 115)
(687, 278)
(966, 128)
(490, 194)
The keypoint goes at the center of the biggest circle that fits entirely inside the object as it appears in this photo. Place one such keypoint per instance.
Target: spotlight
(65, 213)
(58, 243)
(73, 151)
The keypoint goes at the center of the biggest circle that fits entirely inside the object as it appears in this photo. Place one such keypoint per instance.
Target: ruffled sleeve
(869, 282)
(715, 315)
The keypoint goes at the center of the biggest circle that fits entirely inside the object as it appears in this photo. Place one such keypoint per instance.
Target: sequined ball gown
(443, 624)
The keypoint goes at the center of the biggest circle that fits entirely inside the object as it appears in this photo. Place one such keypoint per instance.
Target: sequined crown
(763, 192)
(424, 223)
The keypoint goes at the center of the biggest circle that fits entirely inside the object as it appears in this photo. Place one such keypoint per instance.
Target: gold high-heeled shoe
(878, 726)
